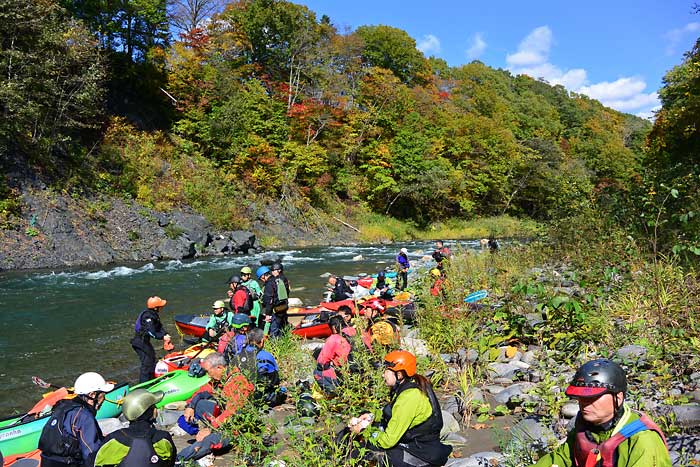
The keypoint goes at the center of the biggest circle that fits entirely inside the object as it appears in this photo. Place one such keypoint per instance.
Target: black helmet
(277, 267)
(381, 275)
(307, 406)
(598, 377)
(235, 279)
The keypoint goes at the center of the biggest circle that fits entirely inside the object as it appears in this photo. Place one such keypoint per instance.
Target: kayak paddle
(43, 384)
(476, 296)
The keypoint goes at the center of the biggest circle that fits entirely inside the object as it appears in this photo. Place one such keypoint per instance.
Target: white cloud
(675, 36)
(625, 94)
(477, 45)
(649, 114)
(429, 45)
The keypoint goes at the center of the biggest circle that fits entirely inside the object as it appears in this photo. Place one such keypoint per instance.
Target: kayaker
(341, 290)
(436, 289)
(380, 328)
(267, 380)
(412, 420)
(241, 297)
(606, 431)
(277, 270)
(255, 291)
(72, 436)
(227, 391)
(382, 286)
(332, 355)
(441, 254)
(274, 302)
(148, 326)
(219, 322)
(234, 340)
(402, 267)
(345, 312)
(282, 303)
(141, 444)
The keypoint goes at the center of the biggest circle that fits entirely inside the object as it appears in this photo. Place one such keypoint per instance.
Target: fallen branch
(346, 224)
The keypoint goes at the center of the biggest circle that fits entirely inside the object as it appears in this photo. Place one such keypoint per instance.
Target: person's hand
(268, 318)
(203, 433)
(229, 293)
(212, 333)
(167, 345)
(189, 414)
(360, 423)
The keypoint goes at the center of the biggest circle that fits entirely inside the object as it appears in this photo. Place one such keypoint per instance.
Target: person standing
(403, 265)
(282, 302)
(255, 291)
(606, 431)
(141, 444)
(274, 307)
(148, 326)
(72, 437)
(441, 255)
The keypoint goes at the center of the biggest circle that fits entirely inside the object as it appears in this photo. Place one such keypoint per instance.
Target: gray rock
(195, 227)
(529, 357)
(502, 370)
(454, 438)
(513, 390)
(631, 352)
(467, 356)
(493, 389)
(220, 245)
(447, 357)
(242, 241)
(695, 376)
(570, 409)
(480, 459)
(694, 395)
(449, 424)
(534, 319)
(417, 347)
(530, 431)
(684, 449)
(178, 248)
(687, 415)
(503, 381)
(453, 405)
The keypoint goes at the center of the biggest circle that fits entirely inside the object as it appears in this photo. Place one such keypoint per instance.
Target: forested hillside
(267, 102)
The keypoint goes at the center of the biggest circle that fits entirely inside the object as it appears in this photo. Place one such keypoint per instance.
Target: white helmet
(91, 382)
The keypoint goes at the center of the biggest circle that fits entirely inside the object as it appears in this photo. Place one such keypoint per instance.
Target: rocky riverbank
(61, 231)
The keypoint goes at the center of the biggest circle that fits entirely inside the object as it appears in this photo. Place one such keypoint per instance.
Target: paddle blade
(476, 296)
(40, 382)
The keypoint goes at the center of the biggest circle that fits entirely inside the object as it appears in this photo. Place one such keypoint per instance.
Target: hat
(219, 304)
(404, 251)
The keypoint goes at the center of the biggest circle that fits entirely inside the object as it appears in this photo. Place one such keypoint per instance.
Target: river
(58, 324)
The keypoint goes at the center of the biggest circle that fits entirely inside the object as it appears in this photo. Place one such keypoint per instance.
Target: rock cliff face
(65, 232)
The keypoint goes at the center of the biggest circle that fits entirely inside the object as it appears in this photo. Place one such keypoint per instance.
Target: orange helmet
(155, 302)
(401, 360)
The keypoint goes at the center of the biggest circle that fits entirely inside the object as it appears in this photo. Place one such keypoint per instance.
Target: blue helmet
(261, 271)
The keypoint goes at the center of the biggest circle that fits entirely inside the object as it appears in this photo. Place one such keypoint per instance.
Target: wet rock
(357, 258)
(631, 352)
(514, 390)
(449, 424)
(570, 409)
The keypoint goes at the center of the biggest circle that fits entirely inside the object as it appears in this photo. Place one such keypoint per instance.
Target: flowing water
(58, 324)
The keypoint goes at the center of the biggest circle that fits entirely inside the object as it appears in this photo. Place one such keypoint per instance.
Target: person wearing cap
(225, 393)
(141, 443)
(403, 265)
(607, 432)
(256, 292)
(341, 290)
(148, 326)
(412, 420)
(219, 322)
(72, 436)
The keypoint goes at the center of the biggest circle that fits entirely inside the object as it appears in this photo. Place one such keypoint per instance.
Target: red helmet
(155, 302)
(401, 360)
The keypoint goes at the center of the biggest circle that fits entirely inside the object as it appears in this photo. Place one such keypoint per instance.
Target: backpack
(383, 332)
(248, 305)
(245, 361)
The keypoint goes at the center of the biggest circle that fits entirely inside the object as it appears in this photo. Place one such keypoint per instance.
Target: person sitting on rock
(219, 323)
(227, 391)
(141, 443)
(332, 356)
(606, 432)
(267, 379)
(382, 286)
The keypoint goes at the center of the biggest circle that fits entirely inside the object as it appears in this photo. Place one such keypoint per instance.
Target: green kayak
(19, 434)
(177, 386)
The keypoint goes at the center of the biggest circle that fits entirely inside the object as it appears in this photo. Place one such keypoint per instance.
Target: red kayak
(180, 360)
(192, 325)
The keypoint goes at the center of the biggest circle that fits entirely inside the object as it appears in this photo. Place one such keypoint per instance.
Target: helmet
(261, 271)
(435, 272)
(381, 274)
(235, 279)
(246, 270)
(155, 302)
(277, 267)
(404, 251)
(240, 320)
(219, 304)
(91, 382)
(307, 406)
(138, 401)
(598, 377)
(401, 360)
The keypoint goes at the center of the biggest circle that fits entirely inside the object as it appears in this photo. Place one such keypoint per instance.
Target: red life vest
(586, 452)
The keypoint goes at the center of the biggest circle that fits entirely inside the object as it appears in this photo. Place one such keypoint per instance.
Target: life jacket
(385, 332)
(280, 301)
(587, 453)
(137, 325)
(141, 451)
(56, 443)
(423, 440)
(248, 305)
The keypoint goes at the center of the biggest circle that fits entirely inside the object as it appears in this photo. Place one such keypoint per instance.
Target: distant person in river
(403, 265)
(227, 391)
(147, 327)
(606, 432)
(219, 322)
(493, 244)
(382, 286)
(141, 444)
(412, 420)
(72, 436)
(256, 293)
(341, 290)
(441, 255)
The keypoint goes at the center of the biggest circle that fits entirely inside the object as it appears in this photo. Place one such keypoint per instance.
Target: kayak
(177, 386)
(192, 325)
(180, 360)
(312, 328)
(27, 459)
(20, 434)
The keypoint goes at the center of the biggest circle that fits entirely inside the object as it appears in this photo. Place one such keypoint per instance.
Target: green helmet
(137, 402)
(240, 320)
(246, 270)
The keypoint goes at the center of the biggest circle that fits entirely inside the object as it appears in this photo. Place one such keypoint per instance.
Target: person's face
(438, 244)
(265, 277)
(598, 410)
(389, 378)
(275, 272)
(216, 372)
(332, 280)
(218, 311)
(96, 399)
(232, 285)
(245, 277)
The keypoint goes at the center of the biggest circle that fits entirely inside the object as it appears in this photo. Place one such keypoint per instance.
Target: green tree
(395, 50)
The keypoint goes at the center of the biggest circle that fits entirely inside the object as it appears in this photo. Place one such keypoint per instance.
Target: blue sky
(615, 51)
